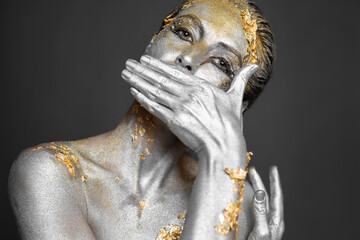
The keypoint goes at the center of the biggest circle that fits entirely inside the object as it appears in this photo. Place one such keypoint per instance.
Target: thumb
(261, 229)
(240, 81)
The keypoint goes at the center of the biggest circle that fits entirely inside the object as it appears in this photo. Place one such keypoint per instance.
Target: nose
(185, 61)
(191, 57)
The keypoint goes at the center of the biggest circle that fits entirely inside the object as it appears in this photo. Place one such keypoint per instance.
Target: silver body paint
(102, 208)
(50, 204)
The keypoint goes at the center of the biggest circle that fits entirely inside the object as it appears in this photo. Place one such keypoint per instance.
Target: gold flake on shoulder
(63, 154)
(117, 179)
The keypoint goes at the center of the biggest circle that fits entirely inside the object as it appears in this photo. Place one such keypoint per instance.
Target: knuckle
(260, 208)
(193, 97)
(154, 63)
(263, 233)
(139, 68)
(163, 81)
(175, 72)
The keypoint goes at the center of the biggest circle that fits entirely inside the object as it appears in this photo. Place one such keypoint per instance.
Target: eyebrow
(196, 21)
(219, 44)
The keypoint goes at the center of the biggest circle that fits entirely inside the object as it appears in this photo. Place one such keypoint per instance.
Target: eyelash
(182, 32)
(220, 62)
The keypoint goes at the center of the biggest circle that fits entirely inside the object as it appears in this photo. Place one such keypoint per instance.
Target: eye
(223, 65)
(182, 33)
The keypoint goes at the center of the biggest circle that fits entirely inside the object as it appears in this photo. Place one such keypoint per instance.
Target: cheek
(213, 75)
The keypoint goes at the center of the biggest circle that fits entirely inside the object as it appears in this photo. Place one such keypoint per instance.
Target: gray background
(60, 80)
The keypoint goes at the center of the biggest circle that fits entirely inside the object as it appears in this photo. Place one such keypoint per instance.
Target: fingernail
(260, 195)
(126, 74)
(255, 66)
(133, 91)
(131, 64)
(145, 59)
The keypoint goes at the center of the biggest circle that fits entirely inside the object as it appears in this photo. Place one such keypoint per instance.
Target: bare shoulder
(46, 193)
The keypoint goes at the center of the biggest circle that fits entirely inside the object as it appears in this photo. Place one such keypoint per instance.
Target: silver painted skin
(50, 204)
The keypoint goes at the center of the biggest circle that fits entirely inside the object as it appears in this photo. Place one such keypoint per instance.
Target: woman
(137, 181)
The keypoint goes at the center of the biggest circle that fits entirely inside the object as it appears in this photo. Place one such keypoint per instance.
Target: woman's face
(206, 39)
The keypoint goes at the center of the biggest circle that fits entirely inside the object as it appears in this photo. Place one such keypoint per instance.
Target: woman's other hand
(269, 222)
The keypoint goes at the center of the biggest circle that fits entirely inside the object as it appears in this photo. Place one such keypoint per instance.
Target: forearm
(213, 192)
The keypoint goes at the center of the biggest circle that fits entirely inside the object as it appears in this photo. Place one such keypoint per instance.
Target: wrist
(220, 156)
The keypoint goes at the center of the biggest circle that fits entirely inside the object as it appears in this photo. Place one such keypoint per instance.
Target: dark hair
(265, 47)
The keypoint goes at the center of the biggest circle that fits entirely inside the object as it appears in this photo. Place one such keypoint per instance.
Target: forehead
(221, 20)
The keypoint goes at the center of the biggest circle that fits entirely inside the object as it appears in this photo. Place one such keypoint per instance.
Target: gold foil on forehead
(64, 155)
(250, 28)
(228, 219)
(170, 18)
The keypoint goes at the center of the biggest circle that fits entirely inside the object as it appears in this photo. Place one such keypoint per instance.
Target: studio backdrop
(61, 64)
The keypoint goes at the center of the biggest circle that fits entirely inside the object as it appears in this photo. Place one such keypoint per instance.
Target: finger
(155, 78)
(277, 199)
(240, 81)
(154, 108)
(169, 70)
(149, 90)
(261, 229)
(257, 183)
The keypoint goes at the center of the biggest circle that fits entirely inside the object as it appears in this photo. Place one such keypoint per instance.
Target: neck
(150, 151)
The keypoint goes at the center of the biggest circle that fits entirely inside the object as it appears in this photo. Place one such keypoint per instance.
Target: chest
(117, 212)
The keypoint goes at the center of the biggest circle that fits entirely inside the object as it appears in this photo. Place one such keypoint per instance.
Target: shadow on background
(61, 63)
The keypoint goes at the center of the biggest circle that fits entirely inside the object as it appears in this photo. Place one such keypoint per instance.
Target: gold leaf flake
(228, 220)
(147, 152)
(182, 216)
(63, 154)
(142, 204)
(171, 232)
(84, 178)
